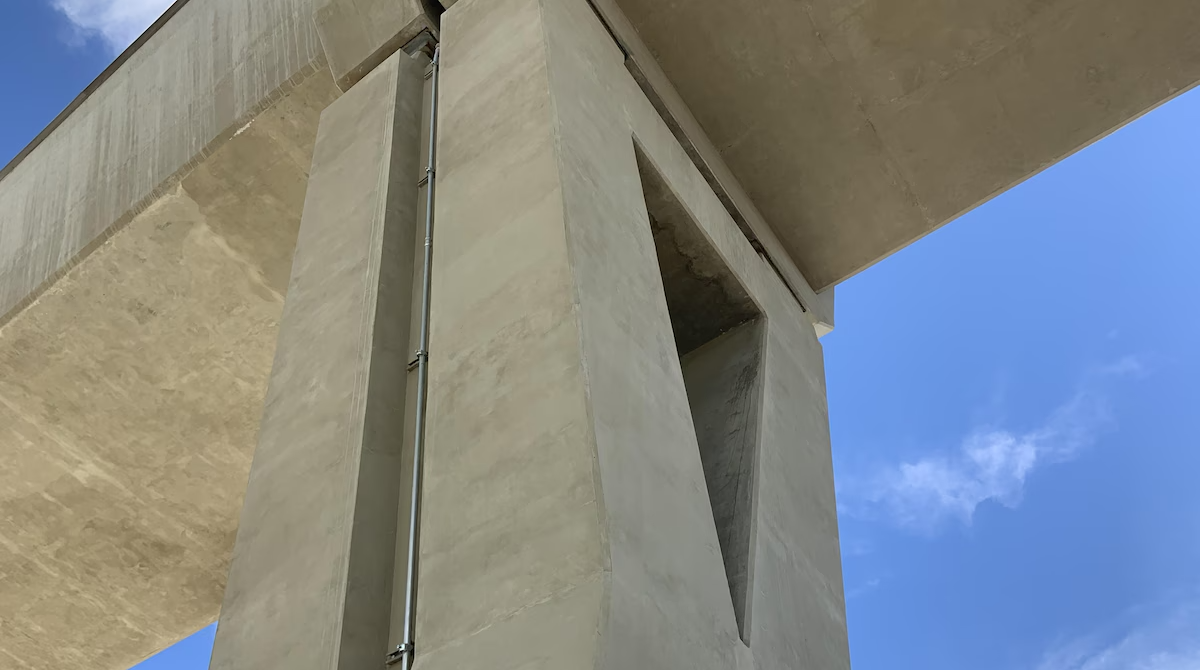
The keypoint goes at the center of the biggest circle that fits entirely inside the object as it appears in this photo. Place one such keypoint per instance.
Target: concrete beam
(859, 126)
(855, 127)
(174, 99)
(131, 393)
(310, 583)
(358, 35)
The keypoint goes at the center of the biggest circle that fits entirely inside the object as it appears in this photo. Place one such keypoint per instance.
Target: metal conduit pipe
(404, 652)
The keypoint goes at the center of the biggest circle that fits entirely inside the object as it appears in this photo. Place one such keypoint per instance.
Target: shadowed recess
(719, 337)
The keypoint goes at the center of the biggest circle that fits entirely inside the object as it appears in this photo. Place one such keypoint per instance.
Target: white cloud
(856, 546)
(990, 463)
(1129, 366)
(117, 22)
(1165, 642)
(863, 589)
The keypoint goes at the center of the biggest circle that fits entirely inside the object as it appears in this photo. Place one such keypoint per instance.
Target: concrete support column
(310, 583)
(514, 566)
(567, 518)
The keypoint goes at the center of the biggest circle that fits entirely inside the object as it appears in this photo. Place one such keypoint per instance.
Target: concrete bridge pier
(628, 450)
(643, 209)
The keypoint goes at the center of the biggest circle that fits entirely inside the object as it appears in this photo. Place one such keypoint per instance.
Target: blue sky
(1013, 403)
(1013, 399)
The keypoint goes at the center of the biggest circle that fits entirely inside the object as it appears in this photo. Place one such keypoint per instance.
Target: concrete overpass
(147, 240)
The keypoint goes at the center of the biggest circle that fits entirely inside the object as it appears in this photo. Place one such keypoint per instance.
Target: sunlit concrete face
(130, 398)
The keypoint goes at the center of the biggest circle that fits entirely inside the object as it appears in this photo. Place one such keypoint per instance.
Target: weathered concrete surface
(310, 583)
(797, 613)
(675, 112)
(130, 396)
(858, 126)
(724, 386)
(215, 65)
(704, 299)
(565, 481)
(512, 545)
(358, 35)
(123, 456)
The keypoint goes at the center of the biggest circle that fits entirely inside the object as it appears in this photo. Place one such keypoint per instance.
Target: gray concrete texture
(161, 215)
(310, 582)
(130, 398)
(704, 299)
(214, 66)
(857, 126)
(675, 112)
(724, 386)
(358, 35)
(567, 520)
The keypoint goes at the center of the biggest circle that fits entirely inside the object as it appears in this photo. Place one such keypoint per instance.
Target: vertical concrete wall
(310, 584)
(724, 387)
(797, 609)
(668, 606)
(212, 66)
(567, 520)
(513, 566)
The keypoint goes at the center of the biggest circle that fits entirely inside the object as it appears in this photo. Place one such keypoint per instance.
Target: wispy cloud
(117, 22)
(1169, 641)
(857, 546)
(863, 589)
(991, 463)
(1129, 366)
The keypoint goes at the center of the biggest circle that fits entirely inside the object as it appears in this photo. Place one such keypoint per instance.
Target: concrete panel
(207, 71)
(669, 606)
(358, 35)
(859, 126)
(512, 531)
(797, 614)
(724, 386)
(310, 583)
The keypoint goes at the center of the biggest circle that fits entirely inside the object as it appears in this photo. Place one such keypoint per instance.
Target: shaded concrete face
(858, 126)
(676, 114)
(704, 299)
(310, 583)
(724, 386)
(568, 520)
(719, 338)
(130, 398)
